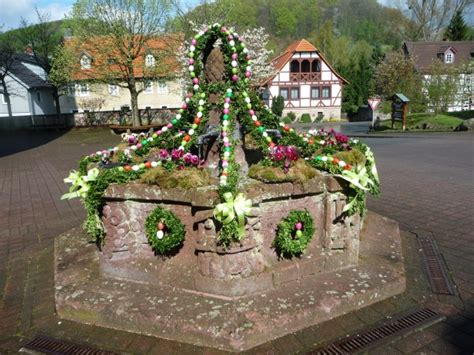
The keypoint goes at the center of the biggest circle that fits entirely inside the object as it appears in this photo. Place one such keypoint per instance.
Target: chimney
(29, 50)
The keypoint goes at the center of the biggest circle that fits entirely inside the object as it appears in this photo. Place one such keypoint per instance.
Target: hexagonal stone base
(84, 295)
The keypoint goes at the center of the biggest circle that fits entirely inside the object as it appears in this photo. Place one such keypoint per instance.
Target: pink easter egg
(226, 111)
(299, 226)
(234, 56)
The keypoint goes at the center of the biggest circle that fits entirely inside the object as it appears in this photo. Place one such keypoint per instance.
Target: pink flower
(164, 154)
(291, 153)
(176, 154)
(187, 158)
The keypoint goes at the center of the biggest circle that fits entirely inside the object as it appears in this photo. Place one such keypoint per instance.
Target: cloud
(12, 11)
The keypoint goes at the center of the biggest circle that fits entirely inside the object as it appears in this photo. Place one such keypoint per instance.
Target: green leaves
(288, 242)
(164, 230)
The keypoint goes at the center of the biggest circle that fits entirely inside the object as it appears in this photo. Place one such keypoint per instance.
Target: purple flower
(278, 156)
(187, 158)
(176, 154)
(341, 138)
(164, 154)
(291, 153)
(195, 160)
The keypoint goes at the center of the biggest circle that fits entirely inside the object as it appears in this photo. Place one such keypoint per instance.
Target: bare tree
(7, 60)
(429, 17)
(119, 34)
(43, 38)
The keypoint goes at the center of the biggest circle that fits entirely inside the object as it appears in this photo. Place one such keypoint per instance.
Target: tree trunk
(136, 122)
(7, 99)
(56, 102)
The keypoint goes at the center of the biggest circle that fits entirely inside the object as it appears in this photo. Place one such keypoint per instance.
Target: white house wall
(329, 108)
(464, 99)
(99, 94)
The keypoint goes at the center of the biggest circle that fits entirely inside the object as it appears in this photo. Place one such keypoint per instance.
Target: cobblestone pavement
(427, 185)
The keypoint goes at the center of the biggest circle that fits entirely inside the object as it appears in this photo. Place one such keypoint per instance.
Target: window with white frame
(162, 88)
(448, 58)
(113, 89)
(284, 93)
(315, 92)
(149, 87)
(85, 62)
(295, 93)
(82, 90)
(326, 92)
(149, 60)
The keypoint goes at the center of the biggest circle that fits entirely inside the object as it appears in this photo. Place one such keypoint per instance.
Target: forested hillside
(352, 34)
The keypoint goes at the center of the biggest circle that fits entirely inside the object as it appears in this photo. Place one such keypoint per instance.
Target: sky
(12, 11)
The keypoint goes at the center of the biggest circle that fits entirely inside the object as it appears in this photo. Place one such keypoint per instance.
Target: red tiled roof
(164, 47)
(300, 45)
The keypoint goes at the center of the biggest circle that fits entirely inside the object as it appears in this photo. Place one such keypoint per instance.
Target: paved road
(349, 128)
(427, 185)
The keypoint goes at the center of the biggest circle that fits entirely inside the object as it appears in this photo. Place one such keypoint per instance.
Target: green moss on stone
(300, 172)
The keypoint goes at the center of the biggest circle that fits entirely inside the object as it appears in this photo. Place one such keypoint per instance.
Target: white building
(306, 81)
(456, 53)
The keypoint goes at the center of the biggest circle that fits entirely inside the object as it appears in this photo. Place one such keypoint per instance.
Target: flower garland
(165, 231)
(294, 233)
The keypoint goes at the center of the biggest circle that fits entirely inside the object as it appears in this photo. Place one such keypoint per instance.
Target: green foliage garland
(174, 230)
(286, 242)
(94, 201)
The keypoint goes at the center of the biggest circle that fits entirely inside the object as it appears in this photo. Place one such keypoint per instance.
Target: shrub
(305, 118)
(278, 105)
(287, 120)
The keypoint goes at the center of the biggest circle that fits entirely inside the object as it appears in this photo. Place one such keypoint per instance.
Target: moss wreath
(286, 242)
(171, 228)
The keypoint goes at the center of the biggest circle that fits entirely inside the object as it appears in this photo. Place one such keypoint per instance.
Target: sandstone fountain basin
(230, 298)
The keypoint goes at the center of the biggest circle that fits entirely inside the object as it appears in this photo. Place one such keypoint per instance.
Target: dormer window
(150, 60)
(448, 58)
(85, 62)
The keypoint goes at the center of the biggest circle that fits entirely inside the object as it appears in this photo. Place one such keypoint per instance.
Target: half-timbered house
(306, 81)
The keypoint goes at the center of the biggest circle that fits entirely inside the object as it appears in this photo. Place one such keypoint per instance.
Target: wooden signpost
(400, 109)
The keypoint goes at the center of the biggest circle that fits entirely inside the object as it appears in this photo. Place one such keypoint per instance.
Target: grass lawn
(429, 122)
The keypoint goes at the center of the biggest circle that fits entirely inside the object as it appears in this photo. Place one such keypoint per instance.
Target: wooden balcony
(305, 77)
